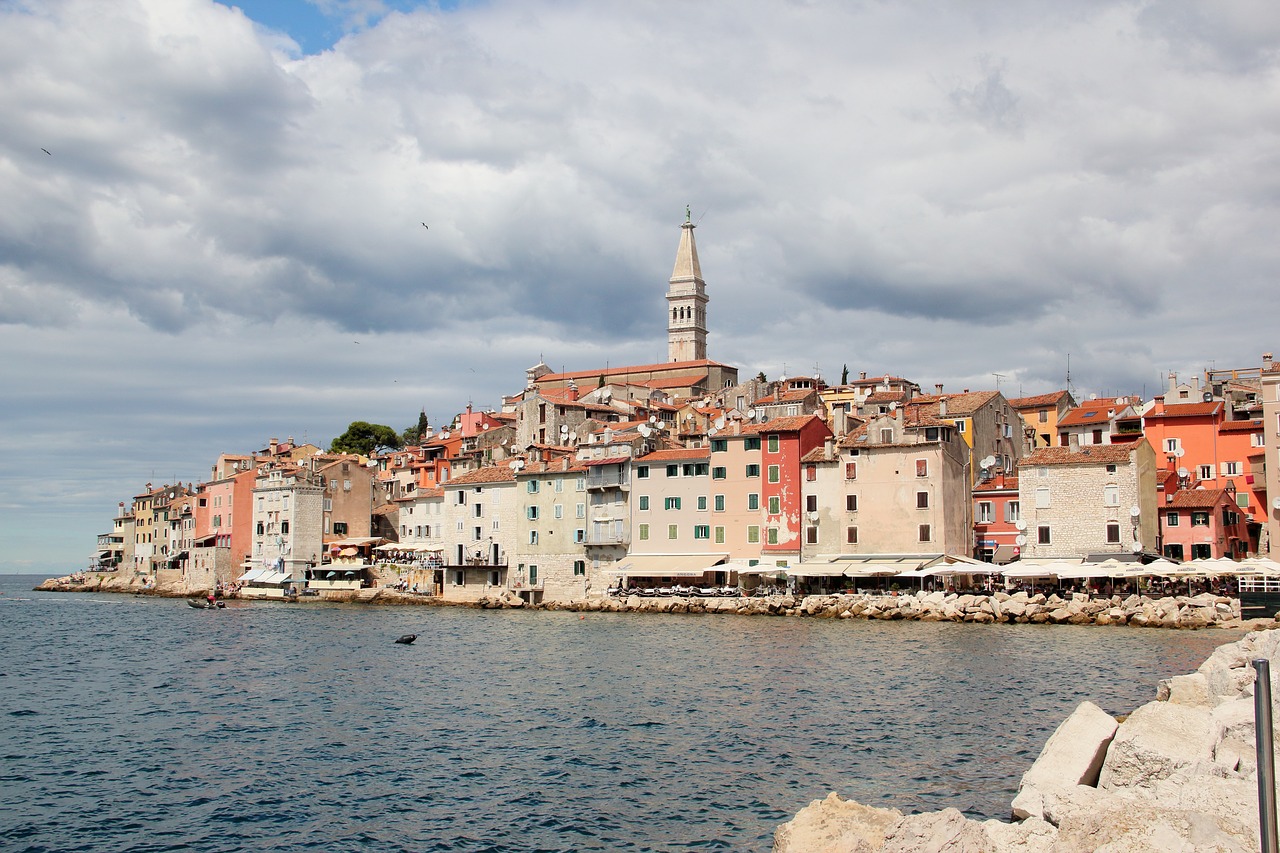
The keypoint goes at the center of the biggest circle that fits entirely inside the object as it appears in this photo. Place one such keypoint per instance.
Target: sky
(212, 214)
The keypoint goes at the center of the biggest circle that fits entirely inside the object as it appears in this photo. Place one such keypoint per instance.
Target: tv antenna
(998, 377)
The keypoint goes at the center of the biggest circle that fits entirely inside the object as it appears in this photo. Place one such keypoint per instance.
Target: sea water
(141, 724)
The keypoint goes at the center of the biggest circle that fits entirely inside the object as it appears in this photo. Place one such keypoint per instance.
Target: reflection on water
(142, 724)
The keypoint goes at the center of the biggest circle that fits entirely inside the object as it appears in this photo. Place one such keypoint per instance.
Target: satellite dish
(712, 431)
(503, 442)
(988, 462)
(1179, 453)
(1020, 539)
(1020, 524)
(653, 419)
(1135, 511)
(893, 405)
(1120, 401)
(720, 422)
(1137, 548)
(1276, 503)
(444, 434)
(1183, 472)
(564, 428)
(751, 413)
(645, 430)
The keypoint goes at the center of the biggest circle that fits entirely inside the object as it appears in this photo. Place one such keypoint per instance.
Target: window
(1201, 552)
(1172, 445)
(580, 511)
(753, 501)
(775, 505)
(985, 514)
(1111, 469)
(459, 578)
(533, 537)
(886, 435)
(775, 474)
(477, 532)
(579, 536)
(960, 426)
(1230, 469)
(773, 536)
(811, 503)
(339, 528)
(1042, 497)
(494, 578)
(1111, 495)
(531, 486)
(579, 568)
(702, 503)
(1199, 519)
(531, 513)
(1012, 511)
(284, 527)
(810, 473)
(1173, 552)
(753, 470)
(701, 531)
(557, 511)
(642, 472)
(719, 535)
(673, 531)
(644, 532)
(811, 535)
(773, 443)
(851, 535)
(719, 445)
(752, 443)
(1205, 472)
(478, 510)
(1171, 518)
(922, 467)
(644, 503)
(719, 503)
(851, 503)
(753, 534)
(673, 470)
(926, 533)
(1043, 415)
(922, 502)
(671, 503)
(1113, 534)
(719, 472)
(1042, 535)
(851, 470)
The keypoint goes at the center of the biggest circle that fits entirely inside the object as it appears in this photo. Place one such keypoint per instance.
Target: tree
(365, 439)
(414, 434)
(844, 375)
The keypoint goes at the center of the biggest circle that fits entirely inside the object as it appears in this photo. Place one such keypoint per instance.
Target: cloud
(937, 193)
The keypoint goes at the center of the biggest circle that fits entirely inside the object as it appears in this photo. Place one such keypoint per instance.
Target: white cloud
(939, 193)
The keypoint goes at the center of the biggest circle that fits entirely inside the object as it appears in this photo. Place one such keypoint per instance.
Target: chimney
(564, 463)
(942, 406)
(862, 374)
(828, 447)
(573, 390)
(1073, 442)
(272, 445)
(1266, 361)
(839, 421)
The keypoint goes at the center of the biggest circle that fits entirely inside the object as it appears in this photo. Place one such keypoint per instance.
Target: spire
(687, 301)
(686, 254)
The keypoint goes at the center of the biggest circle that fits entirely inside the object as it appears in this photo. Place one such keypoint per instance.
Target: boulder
(947, 830)
(1154, 742)
(1072, 756)
(835, 825)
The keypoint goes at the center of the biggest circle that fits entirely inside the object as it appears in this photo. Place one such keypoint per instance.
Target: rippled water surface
(141, 724)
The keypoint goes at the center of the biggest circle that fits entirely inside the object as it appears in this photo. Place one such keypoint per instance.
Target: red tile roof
(492, 474)
(1254, 425)
(791, 424)
(1098, 454)
(1188, 410)
(958, 405)
(1198, 498)
(673, 455)
(1038, 401)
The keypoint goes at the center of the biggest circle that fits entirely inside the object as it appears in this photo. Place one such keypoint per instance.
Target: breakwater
(1141, 611)
(1179, 773)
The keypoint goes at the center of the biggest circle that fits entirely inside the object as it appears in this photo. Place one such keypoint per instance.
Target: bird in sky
(425, 225)
(47, 151)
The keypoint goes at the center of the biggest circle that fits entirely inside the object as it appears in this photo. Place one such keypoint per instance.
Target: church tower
(687, 302)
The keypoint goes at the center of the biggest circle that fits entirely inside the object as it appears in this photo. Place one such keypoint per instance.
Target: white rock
(1155, 741)
(1072, 756)
(835, 825)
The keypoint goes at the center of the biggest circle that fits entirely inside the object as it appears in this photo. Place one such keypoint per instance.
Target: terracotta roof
(661, 367)
(685, 381)
(1050, 399)
(1009, 484)
(492, 474)
(1098, 454)
(1197, 498)
(958, 405)
(1240, 426)
(1188, 410)
(672, 455)
(887, 397)
(791, 424)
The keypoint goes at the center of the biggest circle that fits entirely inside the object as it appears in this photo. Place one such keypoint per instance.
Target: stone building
(481, 523)
(552, 530)
(1078, 501)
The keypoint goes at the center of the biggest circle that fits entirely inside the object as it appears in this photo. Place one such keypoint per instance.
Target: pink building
(996, 516)
(1203, 524)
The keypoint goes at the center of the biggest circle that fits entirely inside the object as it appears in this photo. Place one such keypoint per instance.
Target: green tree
(365, 439)
(414, 434)
(844, 375)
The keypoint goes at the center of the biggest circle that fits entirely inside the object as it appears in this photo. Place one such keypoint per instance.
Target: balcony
(599, 479)
(609, 537)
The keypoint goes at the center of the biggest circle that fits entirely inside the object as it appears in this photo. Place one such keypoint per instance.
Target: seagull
(47, 151)
(424, 225)
(407, 639)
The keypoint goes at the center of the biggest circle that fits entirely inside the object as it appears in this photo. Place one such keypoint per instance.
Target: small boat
(201, 604)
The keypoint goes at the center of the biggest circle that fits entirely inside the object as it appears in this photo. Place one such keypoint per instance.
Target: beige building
(287, 531)
(1077, 501)
(481, 523)
(896, 485)
(1270, 378)
(1040, 415)
(673, 526)
(552, 530)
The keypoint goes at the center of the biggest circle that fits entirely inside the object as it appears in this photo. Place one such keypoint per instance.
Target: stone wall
(1178, 774)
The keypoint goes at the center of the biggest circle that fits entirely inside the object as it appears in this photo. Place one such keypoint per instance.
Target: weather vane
(688, 214)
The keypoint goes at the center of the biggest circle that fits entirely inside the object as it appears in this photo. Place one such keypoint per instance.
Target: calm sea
(141, 724)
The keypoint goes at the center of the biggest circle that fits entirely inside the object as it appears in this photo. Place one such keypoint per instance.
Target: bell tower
(687, 301)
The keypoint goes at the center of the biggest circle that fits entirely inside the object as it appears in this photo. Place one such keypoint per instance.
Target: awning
(815, 570)
(251, 576)
(349, 552)
(394, 546)
(1005, 554)
(668, 565)
(885, 565)
(355, 540)
(272, 577)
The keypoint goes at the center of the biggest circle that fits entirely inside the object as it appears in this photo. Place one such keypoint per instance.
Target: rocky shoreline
(1187, 612)
(1178, 774)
